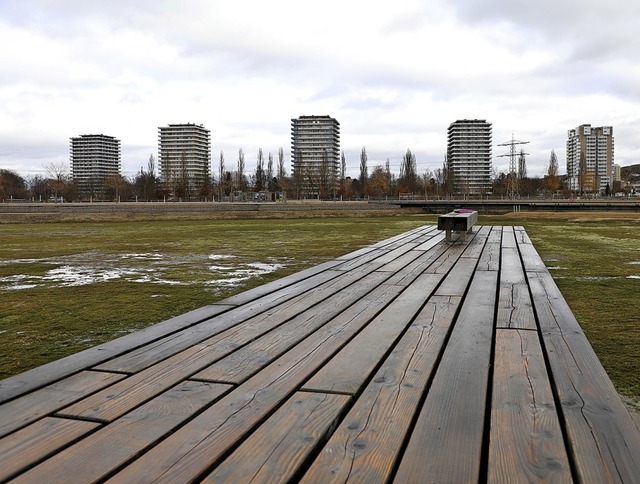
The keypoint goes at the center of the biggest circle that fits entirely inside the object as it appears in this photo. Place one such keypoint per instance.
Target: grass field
(69, 285)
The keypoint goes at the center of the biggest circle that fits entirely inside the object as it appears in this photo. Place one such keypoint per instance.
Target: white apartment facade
(595, 146)
(94, 158)
(184, 157)
(315, 152)
(469, 146)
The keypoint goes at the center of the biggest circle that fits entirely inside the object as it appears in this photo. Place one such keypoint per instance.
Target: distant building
(315, 151)
(590, 158)
(469, 156)
(616, 173)
(184, 158)
(94, 158)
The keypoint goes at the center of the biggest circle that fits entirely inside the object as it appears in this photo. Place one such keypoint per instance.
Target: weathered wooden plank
(395, 253)
(490, 258)
(508, 238)
(526, 437)
(33, 406)
(457, 281)
(514, 302)
(142, 358)
(412, 270)
(400, 262)
(202, 442)
(24, 448)
(409, 236)
(530, 258)
(604, 441)
(434, 239)
(365, 445)
(51, 372)
(240, 365)
(475, 246)
(104, 451)
(446, 443)
(280, 284)
(554, 315)
(275, 451)
(346, 374)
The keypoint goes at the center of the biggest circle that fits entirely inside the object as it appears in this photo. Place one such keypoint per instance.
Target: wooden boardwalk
(411, 360)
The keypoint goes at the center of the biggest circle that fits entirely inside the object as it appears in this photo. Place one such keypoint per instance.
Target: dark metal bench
(457, 221)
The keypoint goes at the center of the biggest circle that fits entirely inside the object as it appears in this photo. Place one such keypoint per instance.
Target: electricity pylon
(512, 179)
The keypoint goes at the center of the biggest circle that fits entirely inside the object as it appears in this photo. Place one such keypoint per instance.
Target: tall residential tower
(469, 156)
(94, 158)
(184, 156)
(590, 158)
(315, 152)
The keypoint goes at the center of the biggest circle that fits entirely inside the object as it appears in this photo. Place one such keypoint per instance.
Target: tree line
(230, 181)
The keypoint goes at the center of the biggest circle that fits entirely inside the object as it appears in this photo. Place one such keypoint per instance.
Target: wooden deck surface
(412, 360)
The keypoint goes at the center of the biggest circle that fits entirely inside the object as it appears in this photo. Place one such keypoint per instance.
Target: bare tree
(221, 170)
(117, 184)
(270, 184)
(259, 184)
(283, 182)
(379, 182)
(427, 182)
(324, 176)
(281, 170)
(58, 177)
(240, 182)
(551, 180)
(387, 170)
(582, 173)
(522, 166)
(364, 171)
(408, 172)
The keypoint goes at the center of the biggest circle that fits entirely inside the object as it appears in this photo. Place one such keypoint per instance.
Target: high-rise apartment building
(94, 158)
(184, 157)
(469, 156)
(590, 158)
(315, 151)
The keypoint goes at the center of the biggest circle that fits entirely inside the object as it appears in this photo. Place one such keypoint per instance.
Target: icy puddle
(214, 270)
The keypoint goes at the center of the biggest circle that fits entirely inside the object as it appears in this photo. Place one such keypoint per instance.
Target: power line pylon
(512, 189)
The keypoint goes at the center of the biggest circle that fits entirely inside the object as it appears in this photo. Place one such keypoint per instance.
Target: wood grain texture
(57, 370)
(199, 444)
(476, 244)
(39, 440)
(411, 271)
(115, 444)
(526, 436)
(276, 450)
(145, 357)
(446, 443)
(457, 281)
(365, 445)
(397, 340)
(280, 284)
(490, 257)
(603, 438)
(346, 374)
(259, 352)
(514, 302)
(26, 409)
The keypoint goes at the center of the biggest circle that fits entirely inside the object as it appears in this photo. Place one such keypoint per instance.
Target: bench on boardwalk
(460, 221)
(409, 360)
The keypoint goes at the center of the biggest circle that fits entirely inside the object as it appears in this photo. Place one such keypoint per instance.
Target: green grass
(48, 322)
(590, 255)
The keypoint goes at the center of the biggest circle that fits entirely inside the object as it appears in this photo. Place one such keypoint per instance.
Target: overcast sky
(394, 74)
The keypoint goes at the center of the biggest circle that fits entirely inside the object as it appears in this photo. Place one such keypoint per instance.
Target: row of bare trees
(270, 180)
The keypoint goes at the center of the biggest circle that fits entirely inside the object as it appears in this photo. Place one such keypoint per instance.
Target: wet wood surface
(411, 360)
